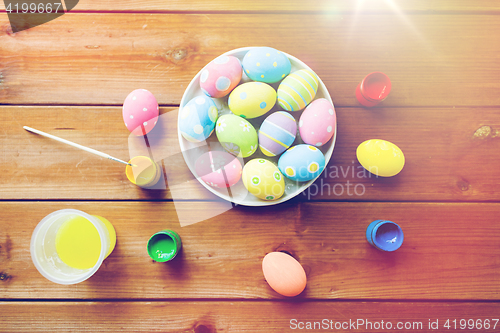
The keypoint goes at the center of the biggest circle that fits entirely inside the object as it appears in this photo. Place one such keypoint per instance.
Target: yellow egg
(380, 157)
(263, 179)
(252, 99)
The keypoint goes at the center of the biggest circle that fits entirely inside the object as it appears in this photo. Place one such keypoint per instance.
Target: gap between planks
(246, 300)
(291, 12)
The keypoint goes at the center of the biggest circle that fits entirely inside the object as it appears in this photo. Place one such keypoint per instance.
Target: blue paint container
(384, 235)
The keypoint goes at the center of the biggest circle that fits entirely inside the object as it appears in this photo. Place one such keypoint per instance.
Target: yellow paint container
(68, 246)
(146, 172)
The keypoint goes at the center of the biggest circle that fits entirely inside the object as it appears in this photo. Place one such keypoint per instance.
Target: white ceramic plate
(238, 193)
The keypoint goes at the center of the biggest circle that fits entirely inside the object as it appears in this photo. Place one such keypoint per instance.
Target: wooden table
(69, 77)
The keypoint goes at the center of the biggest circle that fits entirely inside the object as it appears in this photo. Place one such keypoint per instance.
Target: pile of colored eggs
(253, 97)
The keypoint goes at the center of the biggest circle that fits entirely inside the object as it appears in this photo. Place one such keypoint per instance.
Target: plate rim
(328, 154)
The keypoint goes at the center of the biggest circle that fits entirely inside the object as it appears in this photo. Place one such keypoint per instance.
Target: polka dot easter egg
(140, 112)
(318, 122)
(263, 179)
(277, 133)
(220, 76)
(302, 163)
(218, 169)
(252, 99)
(198, 118)
(236, 135)
(297, 90)
(266, 64)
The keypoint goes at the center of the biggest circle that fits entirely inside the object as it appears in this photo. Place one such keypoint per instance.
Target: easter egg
(318, 122)
(266, 64)
(380, 157)
(252, 99)
(197, 119)
(277, 133)
(220, 76)
(218, 169)
(284, 274)
(302, 163)
(263, 179)
(140, 112)
(297, 90)
(236, 135)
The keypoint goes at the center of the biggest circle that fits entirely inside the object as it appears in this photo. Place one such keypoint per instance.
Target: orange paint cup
(146, 172)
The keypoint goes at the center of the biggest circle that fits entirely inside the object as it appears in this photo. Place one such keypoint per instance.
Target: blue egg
(265, 64)
(302, 163)
(197, 119)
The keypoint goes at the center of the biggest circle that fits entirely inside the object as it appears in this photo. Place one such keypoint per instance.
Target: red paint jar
(374, 88)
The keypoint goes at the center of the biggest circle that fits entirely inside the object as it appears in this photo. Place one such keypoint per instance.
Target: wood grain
(432, 60)
(206, 317)
(450, 251)
(443, 112)
(40, 168)
(451, 155)
(425, 6)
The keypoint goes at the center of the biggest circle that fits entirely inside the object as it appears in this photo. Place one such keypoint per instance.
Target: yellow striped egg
(297, 90)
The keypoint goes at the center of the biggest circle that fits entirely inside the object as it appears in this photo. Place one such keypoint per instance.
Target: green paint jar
(164, 245)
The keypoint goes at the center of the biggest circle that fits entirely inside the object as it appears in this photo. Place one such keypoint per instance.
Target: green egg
(236, 135)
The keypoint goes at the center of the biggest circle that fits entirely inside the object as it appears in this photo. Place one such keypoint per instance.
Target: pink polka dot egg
(140, 112)
(318, 122)
(221, 76)
(218, 169)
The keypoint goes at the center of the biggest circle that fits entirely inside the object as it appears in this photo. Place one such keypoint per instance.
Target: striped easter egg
(297, 90)
(277, 133)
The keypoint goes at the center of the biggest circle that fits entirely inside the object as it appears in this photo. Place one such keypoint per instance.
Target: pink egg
(284, 274)
(140, 112)
(218, 169)
(318, 122)
(221, 76)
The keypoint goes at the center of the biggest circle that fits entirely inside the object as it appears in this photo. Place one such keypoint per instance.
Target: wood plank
(46, 169)
(208, 317)
(449, 156)
(378, 6)
(99, 58)
(450, 251)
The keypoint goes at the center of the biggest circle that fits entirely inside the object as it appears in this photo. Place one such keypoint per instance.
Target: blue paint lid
(387, 236)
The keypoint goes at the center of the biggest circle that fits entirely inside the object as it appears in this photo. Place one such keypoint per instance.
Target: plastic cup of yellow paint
(145, 172)
(68, 246)
(164, 245)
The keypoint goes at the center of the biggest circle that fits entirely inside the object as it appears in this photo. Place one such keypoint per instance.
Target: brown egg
(284, 274)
